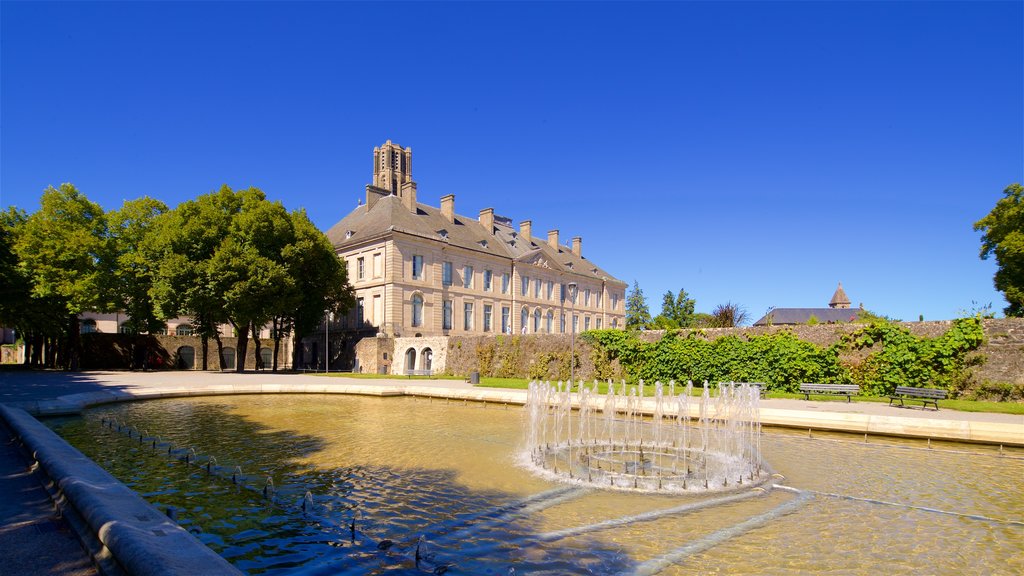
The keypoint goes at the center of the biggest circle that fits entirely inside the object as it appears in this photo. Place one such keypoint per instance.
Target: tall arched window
(427, 358)
(524, 319)
(536, 320)
(410, 359)
(417, 310)
(550, 322)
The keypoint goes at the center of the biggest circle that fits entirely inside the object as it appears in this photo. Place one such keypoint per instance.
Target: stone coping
(936, 428)
(136, 536)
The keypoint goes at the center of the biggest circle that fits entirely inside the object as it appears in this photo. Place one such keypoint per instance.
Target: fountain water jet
(670, 452)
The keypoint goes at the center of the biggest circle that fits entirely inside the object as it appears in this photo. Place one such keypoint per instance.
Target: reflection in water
(370, 486)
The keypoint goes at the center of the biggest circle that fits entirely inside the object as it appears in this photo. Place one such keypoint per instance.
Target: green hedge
(894, 357)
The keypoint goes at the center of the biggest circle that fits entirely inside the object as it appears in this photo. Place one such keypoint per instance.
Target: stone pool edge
(122, 532)
(973, 431)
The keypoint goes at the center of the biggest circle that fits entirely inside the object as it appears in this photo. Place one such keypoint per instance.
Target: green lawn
(962, 405)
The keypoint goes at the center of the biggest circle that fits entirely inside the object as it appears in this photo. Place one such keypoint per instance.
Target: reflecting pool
(361, 485)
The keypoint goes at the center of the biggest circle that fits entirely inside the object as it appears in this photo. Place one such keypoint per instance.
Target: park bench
(762, 388)
(411, 373)
(848, 390)
(925, 395)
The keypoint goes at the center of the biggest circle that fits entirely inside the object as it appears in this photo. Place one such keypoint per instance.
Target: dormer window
(443, 234)
(568, 265)
(482, 243)
(349, 233)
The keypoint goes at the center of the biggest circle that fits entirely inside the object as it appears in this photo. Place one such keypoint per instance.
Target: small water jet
(676, 451)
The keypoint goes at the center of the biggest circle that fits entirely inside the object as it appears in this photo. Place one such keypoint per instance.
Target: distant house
(838, 311)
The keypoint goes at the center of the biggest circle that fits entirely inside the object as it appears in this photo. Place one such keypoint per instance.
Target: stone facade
(424, 271)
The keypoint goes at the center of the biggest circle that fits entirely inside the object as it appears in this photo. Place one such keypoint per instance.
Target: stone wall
(101, 351)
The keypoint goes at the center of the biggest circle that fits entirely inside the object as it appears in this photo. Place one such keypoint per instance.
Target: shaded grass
(362, 376)
(950, 404)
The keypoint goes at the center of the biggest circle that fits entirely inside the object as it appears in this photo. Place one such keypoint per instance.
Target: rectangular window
(551, 289)
(378, 265)
(561, 295)
(598, 297)
(536, 288)
(504, 283)
(550, 322)
(487, 280)
(359, 312)
(446, 316)
(586, 297)
(575, 323)
(417, 267)
(615, 301)
(360, 268)
(597, 323)
(446, 273)
(526, 285)
(561, 324)
(487, 317)
(505, 328)
(467, 317)
(467, 276)
(586, 323)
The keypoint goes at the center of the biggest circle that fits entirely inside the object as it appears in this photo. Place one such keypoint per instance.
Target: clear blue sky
(748, 152)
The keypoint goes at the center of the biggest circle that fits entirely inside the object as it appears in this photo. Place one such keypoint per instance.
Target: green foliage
(638, 316)
(1003, 236)
(509, 358)
(781, 360)
(898, 358)
(813, 320)
(485, 358)
(130, 269)
(676, 310)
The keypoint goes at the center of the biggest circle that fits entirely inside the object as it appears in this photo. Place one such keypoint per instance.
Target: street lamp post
(573, 289)
(327, 342)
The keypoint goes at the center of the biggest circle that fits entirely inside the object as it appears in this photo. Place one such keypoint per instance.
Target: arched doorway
(186, 358)
(410, 359)
(229, 359)
(427, 358)
(267, 355)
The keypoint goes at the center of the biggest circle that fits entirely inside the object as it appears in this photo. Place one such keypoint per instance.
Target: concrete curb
(141, 540)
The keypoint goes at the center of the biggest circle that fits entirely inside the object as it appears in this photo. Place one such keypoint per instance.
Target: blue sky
(757, 153)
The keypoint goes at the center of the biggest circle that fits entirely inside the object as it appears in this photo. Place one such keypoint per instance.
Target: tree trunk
(73, 353)
(243, 346)
(297, 351)
(220, 349)
(256, 346)
(277, 342)
(206, 351)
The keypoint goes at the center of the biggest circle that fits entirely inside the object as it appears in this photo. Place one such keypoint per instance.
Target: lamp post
(327, 342)
(573, 289)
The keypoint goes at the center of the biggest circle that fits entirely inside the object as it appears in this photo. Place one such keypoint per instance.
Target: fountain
(604, 440)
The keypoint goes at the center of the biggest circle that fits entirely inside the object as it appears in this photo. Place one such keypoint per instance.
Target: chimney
(577, 246)
(553, 239)
(524, 229)
(448, 207)
(409, 196)
(487, 220)
(372, 195)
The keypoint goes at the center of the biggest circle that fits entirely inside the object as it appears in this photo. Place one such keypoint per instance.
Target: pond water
(436, 487)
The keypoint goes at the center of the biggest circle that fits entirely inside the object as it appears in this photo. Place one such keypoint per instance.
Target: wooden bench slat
(925, 395)
(847, 390)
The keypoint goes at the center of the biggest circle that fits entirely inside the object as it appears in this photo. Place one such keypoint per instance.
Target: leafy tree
(638, 316)
(320, 284)
(728, 315)
(130, 266)
(1003, 236)
(60, 249)
(676, 311)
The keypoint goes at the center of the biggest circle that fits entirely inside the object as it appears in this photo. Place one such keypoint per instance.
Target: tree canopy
(677, 311)
(1003, 236)
(638, 316)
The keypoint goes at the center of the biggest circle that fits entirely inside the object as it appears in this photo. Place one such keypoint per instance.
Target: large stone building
(424, 271)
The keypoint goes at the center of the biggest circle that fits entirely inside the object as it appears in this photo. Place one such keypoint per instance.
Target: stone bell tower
(392, 167)
(392, 175)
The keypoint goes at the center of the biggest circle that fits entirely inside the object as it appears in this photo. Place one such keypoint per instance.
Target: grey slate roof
(802, 315)
(388, 215)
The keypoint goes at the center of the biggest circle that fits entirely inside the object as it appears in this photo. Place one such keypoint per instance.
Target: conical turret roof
(839, 299)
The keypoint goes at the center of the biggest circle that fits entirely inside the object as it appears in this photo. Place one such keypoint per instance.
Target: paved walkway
(34, 541)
